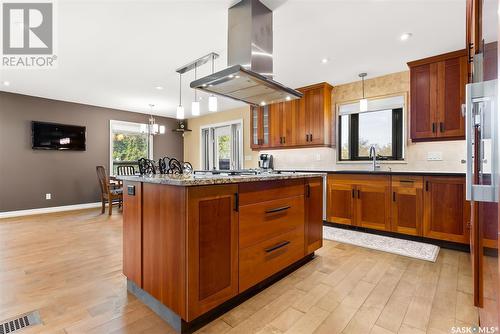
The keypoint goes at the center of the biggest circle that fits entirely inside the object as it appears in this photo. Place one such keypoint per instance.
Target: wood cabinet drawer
(255, 192)
(407, 181)
(264, 220)
(266, 258)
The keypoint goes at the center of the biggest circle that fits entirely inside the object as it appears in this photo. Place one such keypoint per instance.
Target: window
(128, 142)
(381, 128)
(222, 146)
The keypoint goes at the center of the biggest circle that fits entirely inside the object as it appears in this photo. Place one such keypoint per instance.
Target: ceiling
(114, 53)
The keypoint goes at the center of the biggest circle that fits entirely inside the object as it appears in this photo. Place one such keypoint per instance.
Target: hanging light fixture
(180, 108)
(153, 128)
(195, 105)
(212, 99)
(363, 103)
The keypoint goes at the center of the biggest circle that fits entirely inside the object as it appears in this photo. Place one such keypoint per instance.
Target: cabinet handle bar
(283, 208)
(277, 246)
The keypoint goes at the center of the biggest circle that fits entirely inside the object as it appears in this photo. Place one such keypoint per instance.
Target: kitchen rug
(414, 249)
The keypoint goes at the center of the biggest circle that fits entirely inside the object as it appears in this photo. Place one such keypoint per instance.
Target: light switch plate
(48, 196)
(434, 156)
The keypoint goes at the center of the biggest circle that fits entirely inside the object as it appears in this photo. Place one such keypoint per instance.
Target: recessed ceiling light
(237, 77)
(263, 103)
(406, 36)
(230, 76)
(159, 87)
(6, 83)
(288, 98)
(324, 60)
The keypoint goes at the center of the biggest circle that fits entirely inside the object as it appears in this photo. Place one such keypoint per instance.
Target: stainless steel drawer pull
(278, 209)
(406, 181)
(277, 246)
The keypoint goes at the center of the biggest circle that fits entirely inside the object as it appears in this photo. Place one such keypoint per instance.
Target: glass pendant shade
(180, 112)
(212, 103)
(363, 105)
(195, 108)
(155, 129)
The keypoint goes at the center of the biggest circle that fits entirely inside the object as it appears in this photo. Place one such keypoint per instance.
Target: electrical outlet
(434, 156)
(48, 196)
(248, 158)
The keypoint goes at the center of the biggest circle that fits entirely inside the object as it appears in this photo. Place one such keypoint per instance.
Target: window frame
(237, 151)
(111, 137)
(353, 138)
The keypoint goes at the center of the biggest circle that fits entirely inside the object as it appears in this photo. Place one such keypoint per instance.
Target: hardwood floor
(68, 266)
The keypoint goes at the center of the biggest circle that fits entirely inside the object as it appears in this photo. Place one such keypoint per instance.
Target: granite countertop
(381, 172)
(200, 180)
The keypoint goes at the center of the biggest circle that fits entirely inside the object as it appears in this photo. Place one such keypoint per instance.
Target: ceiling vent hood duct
(250, 59)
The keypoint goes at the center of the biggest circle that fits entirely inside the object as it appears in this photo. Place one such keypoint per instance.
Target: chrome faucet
(373, 156)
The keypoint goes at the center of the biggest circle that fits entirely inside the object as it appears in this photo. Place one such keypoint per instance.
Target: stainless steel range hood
(250, 59)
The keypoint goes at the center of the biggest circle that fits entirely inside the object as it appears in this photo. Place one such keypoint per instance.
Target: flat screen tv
(53, 136)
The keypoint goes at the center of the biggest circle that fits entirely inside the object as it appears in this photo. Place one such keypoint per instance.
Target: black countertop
(380, 172)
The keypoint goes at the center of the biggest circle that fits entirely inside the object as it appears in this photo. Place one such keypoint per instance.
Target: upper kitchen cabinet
(306, 122)
(283, 122)
(437, 92)
(260, 126)
(315, 120)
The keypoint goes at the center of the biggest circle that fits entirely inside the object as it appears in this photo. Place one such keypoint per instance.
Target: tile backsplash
(417, 157)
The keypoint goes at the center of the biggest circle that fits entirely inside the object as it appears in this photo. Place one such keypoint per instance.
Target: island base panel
(185, 327)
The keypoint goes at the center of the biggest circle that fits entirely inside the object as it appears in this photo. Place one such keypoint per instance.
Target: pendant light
(363, 103)
(195, 105)
(212, 99)
(153, 127)
(180, 108)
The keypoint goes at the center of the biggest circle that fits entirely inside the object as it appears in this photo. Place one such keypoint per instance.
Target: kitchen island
(195, 245)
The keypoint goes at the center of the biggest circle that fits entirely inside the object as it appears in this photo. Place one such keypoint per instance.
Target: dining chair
(163, 165)
(125, 170)
(146, 166)
(109, 192)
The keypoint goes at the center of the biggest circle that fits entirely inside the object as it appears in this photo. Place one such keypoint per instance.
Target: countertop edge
(162, 179)
(383, 172)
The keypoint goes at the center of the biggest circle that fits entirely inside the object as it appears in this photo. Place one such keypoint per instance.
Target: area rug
(414, 249)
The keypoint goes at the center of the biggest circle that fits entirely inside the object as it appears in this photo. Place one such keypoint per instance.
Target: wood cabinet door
(373, 206)
(212, 247)
(314, 215)
(340, 203)
(452, 78)
(265, 122)
(445, 209)
(276, 121)
(302, 135)
(255, 128)
(407, 204)
(289, 122)
(315, 114)
(423, 101)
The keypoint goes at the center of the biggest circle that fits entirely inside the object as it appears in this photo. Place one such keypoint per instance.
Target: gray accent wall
(26, 175)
